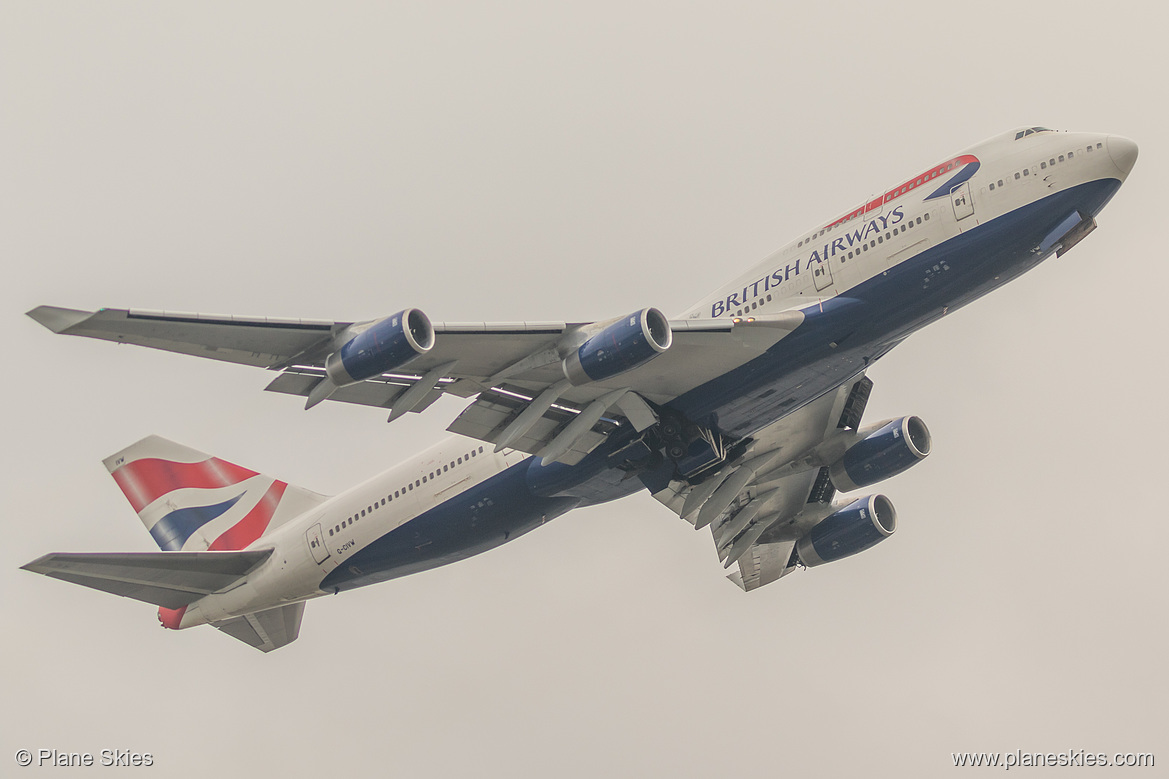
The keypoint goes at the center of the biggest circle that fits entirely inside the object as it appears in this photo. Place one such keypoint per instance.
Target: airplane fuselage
(863, 283)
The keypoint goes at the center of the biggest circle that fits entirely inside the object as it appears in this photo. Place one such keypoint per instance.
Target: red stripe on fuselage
(251, 527)
(908, 186)
(144, 481)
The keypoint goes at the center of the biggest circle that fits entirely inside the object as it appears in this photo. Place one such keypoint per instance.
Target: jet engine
(855, 528)
(888, 451)
(382, 346)
(621, 346)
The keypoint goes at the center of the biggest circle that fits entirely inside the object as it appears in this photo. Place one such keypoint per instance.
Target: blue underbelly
(491, 513)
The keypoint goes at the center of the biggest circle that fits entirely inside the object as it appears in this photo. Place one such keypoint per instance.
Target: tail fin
(193, 502)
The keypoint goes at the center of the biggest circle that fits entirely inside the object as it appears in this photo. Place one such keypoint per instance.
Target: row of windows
(855, 252)
(864, 247)
(1071, 155)
(408, 488)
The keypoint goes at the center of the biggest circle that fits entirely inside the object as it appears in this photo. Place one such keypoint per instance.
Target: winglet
(58, 319)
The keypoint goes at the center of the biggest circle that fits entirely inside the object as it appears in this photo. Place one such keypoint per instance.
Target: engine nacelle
(855, 528)
(886, 452)
(383, 346)
(627, 343)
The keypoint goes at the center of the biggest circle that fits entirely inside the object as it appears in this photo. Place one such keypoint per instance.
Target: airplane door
(316, 543)
(960, 198)
(822, 275)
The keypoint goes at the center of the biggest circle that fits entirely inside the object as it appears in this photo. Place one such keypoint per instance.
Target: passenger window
(1052, 161)
(1089, 150)
(1043, 166)
(1000, 182)
(927, 217)
(992, 186)
(1071, 154)
(1060, 158)
(1026, 172)
(330, 531)
(1017, 176)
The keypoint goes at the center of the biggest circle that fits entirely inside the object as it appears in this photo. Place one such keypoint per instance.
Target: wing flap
(764, 564)
(379, 392)
(490, 414)
(168, 579)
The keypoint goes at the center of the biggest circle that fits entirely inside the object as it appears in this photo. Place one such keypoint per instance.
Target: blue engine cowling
(383, 346)
(627, 343)
(856, 527)
(886, 452)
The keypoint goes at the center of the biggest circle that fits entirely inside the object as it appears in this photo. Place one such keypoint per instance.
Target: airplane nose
(1123, 153)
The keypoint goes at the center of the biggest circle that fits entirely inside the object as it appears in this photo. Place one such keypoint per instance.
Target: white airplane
(743, 415)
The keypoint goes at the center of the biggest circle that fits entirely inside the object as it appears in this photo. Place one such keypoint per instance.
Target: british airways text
(780, 275)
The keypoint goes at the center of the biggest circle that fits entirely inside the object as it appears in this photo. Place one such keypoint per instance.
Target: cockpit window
(1031, 131)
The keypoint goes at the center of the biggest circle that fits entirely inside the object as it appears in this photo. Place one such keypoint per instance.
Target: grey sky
(527, 161)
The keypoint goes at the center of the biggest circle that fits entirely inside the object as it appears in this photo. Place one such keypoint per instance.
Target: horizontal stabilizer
(266, 630)
(168, 579)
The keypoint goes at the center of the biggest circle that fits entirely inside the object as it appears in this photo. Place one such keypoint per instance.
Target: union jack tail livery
(191, 501)
(204, 513)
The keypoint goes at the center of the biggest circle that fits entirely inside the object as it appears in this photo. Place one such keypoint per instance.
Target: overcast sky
(506, 161)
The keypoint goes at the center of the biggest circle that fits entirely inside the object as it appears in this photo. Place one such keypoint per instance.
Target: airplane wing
(512, 367)
(753, 505)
